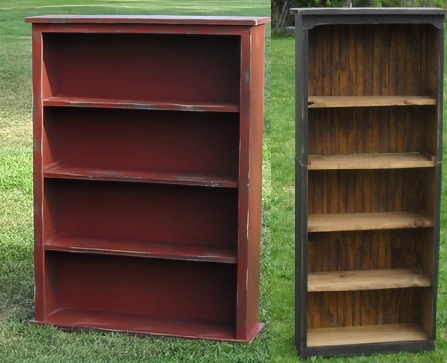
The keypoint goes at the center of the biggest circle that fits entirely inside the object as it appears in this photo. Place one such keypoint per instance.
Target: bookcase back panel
(150, 67)
(136, 211)
(364, 250)
(202, 142)
(373, 60)
(369, 307)
(373, 130)
(161, 289)
(356, 191)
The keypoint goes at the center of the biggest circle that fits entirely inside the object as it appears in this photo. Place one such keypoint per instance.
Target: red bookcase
(147, 173)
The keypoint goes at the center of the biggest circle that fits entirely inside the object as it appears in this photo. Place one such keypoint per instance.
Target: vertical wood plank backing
(360, 60)
(366, 191)
(364, 250)
(372, 130)
(370, 307)
(426, 309)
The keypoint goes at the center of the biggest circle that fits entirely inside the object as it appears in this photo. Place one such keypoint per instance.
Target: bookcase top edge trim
(148, 19)
(369, 11)
(312, 17)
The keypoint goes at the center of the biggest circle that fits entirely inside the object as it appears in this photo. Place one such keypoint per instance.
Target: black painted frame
(305, 20)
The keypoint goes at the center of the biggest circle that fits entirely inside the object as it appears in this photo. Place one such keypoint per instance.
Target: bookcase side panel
(38, 218)
(250, 180)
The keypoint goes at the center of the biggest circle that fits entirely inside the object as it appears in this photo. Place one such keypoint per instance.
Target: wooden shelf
(366, 221)
(165, 250)
(139, 105)
(370, 161)
(369, 101)
(366, 280)
(78, 318)
(63, 171)
(365, 334)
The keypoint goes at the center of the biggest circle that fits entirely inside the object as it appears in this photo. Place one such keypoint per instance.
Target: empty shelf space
(166, 250)
(62, 171)
(366, 280)
(364, 334)
(370, 161)
(369, 101)
(139, 104)
(79, 318)
(366, 221)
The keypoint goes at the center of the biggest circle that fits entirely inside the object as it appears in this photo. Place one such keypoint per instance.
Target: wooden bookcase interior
(140, 167)
(372, 163)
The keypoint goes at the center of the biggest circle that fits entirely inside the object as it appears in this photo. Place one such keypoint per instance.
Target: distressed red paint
(147, 173)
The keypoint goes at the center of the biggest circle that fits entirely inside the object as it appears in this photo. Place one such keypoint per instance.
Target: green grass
(281, 114)
(21, 341)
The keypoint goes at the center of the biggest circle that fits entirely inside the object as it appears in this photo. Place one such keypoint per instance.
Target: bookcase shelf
(175, 251)
(368, 165)
(366, 221)
(139, 105)
(61, 171)
(366, 280)
(131, 323)
(148, 173)
(365, 334)
(117, 293)
(371, 161)
(369, 101)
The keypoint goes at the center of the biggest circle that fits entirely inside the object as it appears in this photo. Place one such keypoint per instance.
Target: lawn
(281, 114)
(21, 341)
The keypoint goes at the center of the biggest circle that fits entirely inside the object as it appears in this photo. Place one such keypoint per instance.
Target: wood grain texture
(372, 130)
(370, 161)
(367, 221)
(371, 191)
(365, 334)
(369, 101)
(331, 309)
(375, 249)
(372, 122)
(367, 280)
(372, 60)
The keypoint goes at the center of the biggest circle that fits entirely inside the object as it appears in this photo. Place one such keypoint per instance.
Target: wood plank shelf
(149, 249)
(62, 171)
(367, 221)
(369, 101)
(365, 334)
(366, 280)
(370, 161)
(79, 318)
(59, 101)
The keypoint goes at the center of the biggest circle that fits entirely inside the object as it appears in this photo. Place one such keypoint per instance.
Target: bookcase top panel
(312, 17)
(369, 11)
(148, 19)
